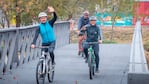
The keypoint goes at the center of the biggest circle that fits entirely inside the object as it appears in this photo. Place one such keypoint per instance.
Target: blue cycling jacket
(46, 32)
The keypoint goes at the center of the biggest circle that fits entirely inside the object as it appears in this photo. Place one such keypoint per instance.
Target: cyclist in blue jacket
(46, 32)
(93, 34)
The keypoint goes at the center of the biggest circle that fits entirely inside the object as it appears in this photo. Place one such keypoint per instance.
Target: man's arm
(53, 19)
(79, 23)
(36, 36)
(100, 39)
(51, 10)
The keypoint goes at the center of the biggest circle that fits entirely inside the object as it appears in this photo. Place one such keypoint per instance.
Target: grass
(119, 34)
(109, 42)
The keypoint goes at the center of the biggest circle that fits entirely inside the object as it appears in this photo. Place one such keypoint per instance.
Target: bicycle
(91, 59)
(44, 67)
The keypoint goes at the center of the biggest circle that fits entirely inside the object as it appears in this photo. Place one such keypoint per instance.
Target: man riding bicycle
(93, 34)
(46, 32)
(82, 22)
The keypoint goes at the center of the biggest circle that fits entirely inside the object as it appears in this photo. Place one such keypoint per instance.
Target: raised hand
(50, 9)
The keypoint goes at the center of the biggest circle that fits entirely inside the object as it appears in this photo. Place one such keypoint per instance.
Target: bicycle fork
(44, 67)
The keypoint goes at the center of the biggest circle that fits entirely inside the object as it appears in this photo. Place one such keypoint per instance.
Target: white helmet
(92, 18)
(42, 14)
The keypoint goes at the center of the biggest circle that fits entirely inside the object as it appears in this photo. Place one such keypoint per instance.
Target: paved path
(71, 69)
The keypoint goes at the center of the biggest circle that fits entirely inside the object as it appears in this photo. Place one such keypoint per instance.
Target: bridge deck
(114, 59)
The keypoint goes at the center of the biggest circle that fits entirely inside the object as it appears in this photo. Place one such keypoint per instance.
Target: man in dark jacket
(82, 22)
(46, 32)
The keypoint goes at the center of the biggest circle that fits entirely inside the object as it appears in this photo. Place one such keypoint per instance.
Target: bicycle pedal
(41, 58)
(49, 71)
(41, 78)
(52, 69)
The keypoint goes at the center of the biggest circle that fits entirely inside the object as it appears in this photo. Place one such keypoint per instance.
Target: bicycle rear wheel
(50, 71)
(40, 76)
(91, 70)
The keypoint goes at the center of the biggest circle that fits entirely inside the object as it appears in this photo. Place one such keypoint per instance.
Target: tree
(26, 11)
(6, 8)
(116, 8)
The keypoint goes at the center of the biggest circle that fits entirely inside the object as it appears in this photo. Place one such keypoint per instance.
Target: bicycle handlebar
(41, 47)
(91, 42)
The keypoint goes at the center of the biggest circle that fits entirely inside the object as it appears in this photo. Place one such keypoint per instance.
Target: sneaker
(97, 71)
(51, 67)
(53, 63)
(86, 60)
(84, 57)
(79, 53)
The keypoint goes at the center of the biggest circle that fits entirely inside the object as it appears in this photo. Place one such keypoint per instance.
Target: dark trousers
(50, 49)
(96, 52)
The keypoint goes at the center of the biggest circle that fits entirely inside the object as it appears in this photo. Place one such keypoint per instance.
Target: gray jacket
(93, 33)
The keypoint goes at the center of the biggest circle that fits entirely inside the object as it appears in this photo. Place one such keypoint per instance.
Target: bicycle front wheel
(91, 68)
(50, 71)
(40, 76)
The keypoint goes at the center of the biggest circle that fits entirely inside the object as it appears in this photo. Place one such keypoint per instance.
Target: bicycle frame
(44, 65)
(91, 52)
(45, 59)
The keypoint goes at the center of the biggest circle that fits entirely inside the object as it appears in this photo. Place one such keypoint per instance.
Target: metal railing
(15, 44)
(138, 71)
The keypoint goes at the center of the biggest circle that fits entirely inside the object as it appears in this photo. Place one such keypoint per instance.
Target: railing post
(15, 59)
